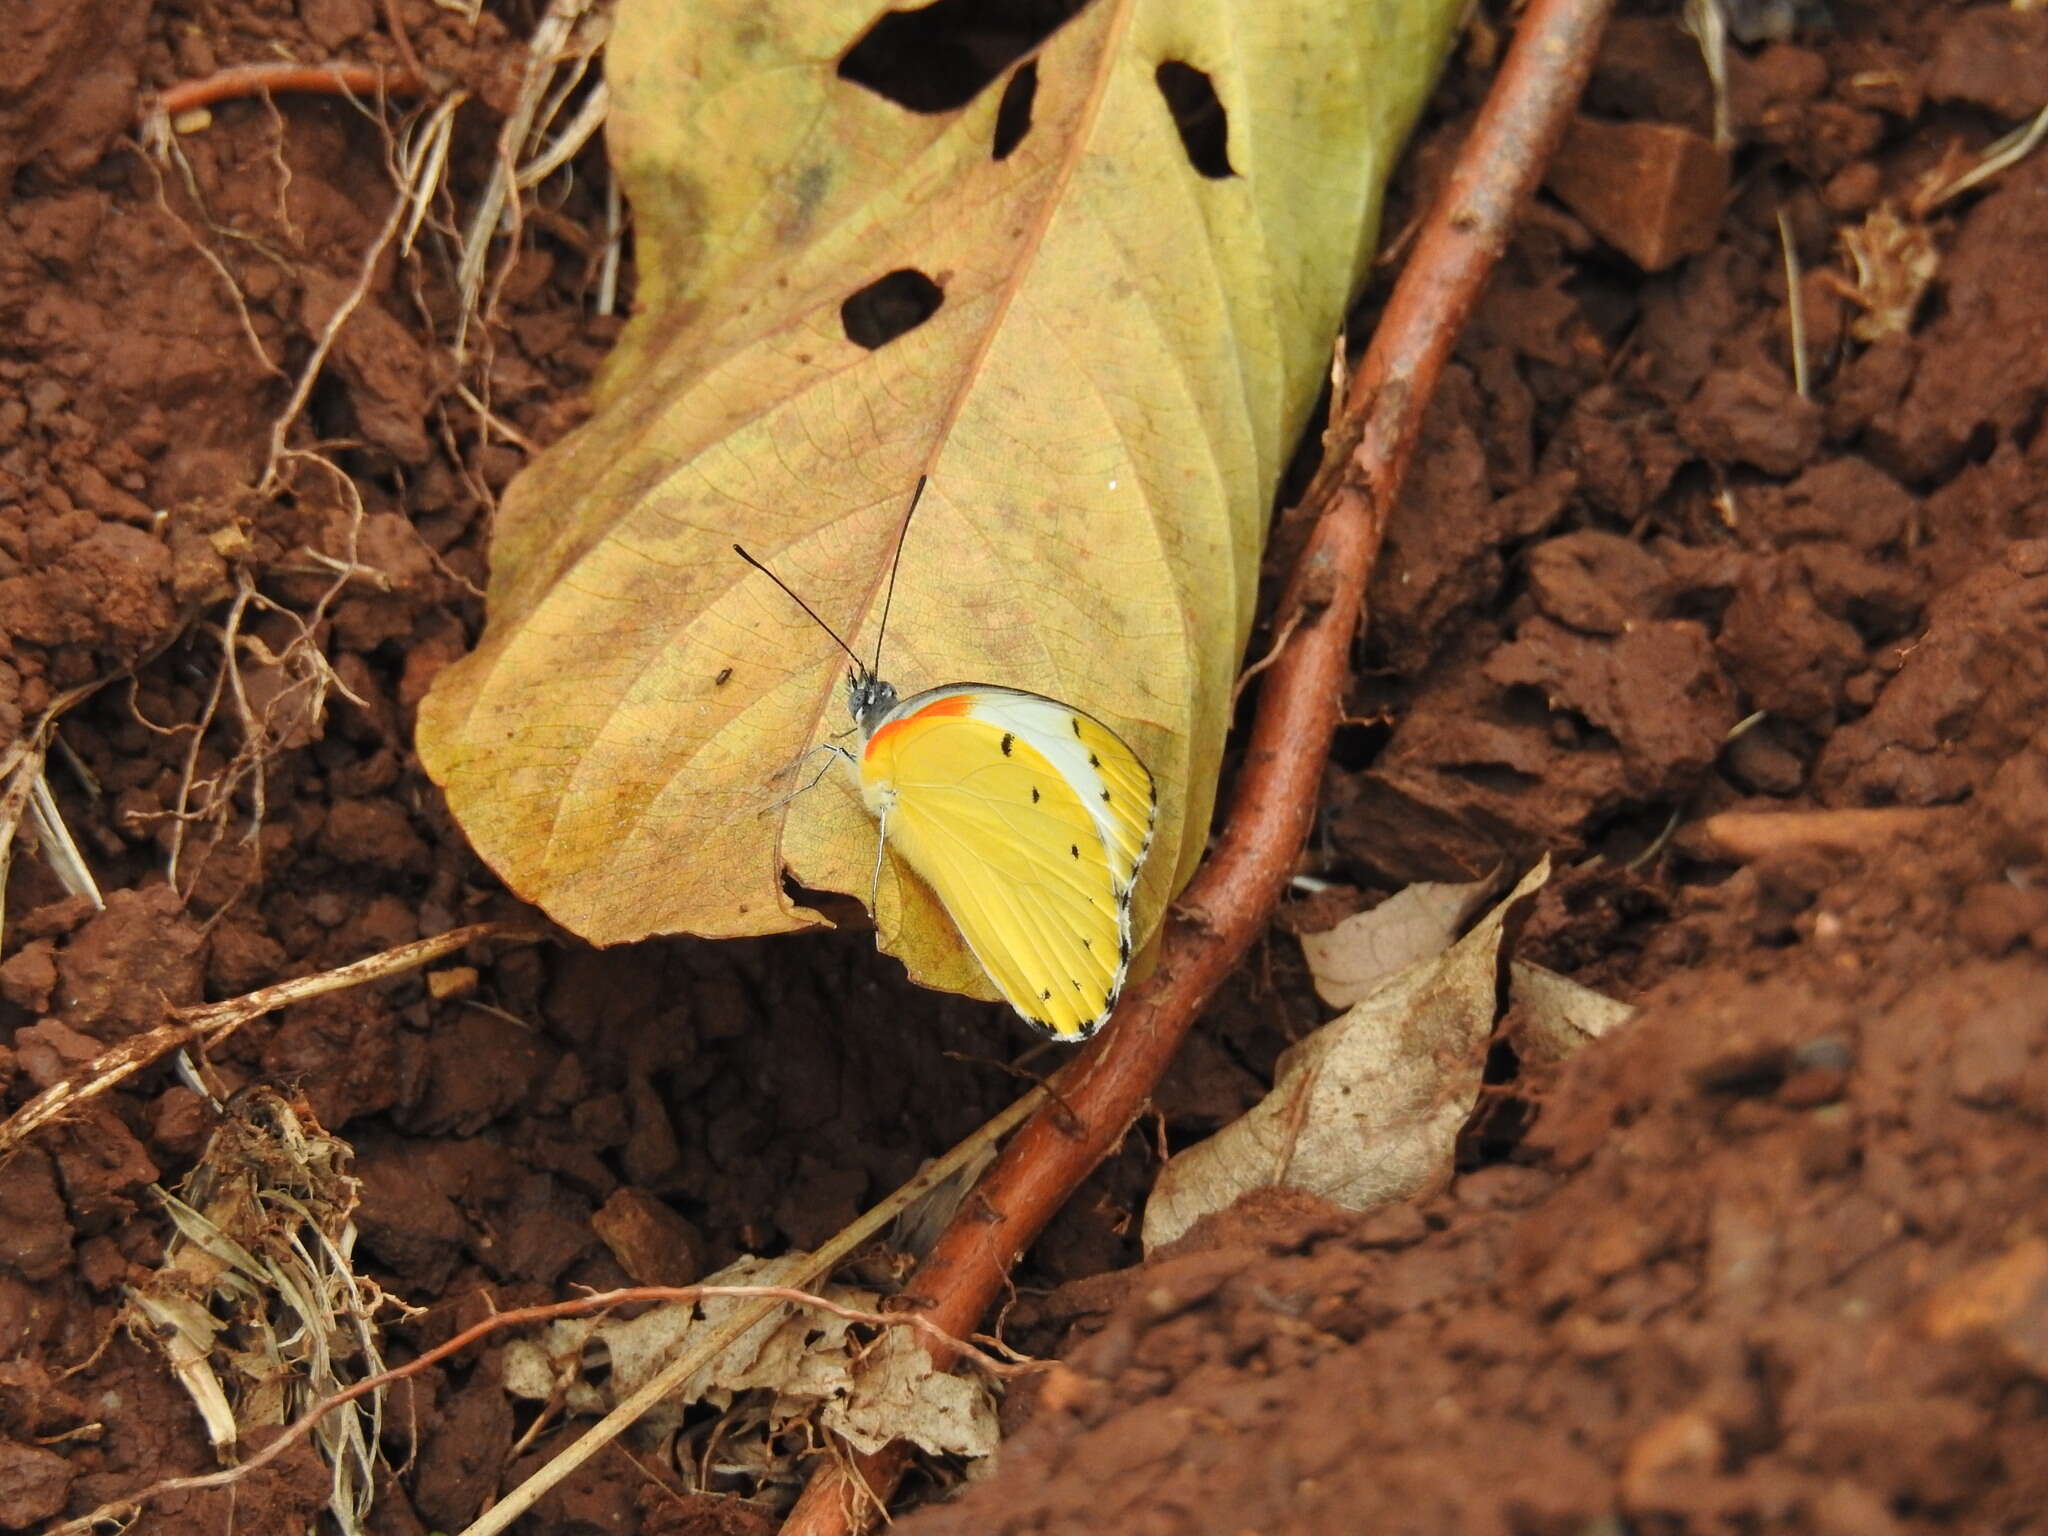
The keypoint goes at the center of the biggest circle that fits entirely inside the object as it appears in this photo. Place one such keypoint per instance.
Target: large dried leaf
(1125, 352)
(1367, 1109)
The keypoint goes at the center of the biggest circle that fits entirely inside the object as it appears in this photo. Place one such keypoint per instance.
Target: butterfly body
(1028, 819)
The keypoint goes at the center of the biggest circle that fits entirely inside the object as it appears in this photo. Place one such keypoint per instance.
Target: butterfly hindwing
(1029, 820)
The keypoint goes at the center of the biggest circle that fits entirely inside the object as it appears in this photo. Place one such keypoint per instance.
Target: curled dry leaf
(800, 1366)
(1551, 1016)
(1367, 1109)
(1092, 299)
(1348, 962)
(1895, 259)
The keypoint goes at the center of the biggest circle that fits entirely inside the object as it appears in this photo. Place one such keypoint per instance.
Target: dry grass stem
(21, 772)
(1272, 655)
(1762, 834)
(208, 1024)
(1795, 305)
(59, 848)
(2000, 156)
(422, 163)
(21, 769)
(614, 247)
(212, 259)
(1703, 19)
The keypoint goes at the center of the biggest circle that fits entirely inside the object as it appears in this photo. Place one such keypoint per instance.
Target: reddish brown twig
(519, 1317)
(275, 77)
(1234, 893)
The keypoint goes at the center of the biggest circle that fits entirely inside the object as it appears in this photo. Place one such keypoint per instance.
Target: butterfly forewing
(1029, 821)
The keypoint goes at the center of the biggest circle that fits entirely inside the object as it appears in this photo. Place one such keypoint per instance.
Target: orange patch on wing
(954, 704)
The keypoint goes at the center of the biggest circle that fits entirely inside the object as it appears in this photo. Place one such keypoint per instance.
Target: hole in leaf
(1013, 115)
(892, 304)
(1199, 117)
(889, 306)
(939, 57)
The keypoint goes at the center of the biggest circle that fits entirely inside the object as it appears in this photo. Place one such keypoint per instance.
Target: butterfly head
(868, 699)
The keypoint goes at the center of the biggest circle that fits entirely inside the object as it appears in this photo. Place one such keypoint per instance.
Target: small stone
(1678, 1446)
(34, 1484)
(653, 1245)
(29, 976)
(1653, 191)
(2004, 1299)
(454, 981)
(1759, 762)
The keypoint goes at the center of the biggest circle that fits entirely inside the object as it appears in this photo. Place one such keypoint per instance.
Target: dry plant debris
(257, 1306)
(1102, 419)
(1893, 258)
(271, 697)
(937, 1181)
(787, 1375)
(757, 1301)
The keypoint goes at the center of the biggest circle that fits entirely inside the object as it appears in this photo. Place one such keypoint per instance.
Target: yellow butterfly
(1027, 817)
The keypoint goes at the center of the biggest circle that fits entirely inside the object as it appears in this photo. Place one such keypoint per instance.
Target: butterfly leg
(816, 778)
(881, 848)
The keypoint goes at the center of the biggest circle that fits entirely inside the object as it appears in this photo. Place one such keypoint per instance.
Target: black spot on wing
(1010, 741)
(1077, 726)
(1123, 951)
(1105, 797)
(1034, 794)
(1087, 943)
(1046, 995)
(1075, 850)
(1094, 761)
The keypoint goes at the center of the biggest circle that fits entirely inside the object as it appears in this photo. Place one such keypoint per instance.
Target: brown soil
(1773, 1258)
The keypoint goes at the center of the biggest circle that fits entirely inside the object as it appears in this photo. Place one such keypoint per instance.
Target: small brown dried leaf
(1348, 962)
(1367, 1109)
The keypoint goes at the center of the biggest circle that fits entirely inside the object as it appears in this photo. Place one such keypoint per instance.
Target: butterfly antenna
(896, 560)
(807, 608)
